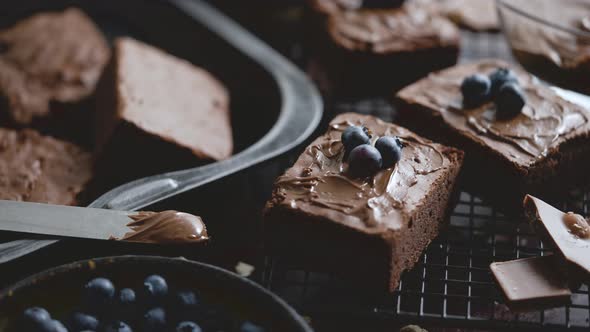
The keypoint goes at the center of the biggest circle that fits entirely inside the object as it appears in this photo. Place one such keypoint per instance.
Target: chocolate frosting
(566, 238)
(318, 183)
(167, 227)
(41, 169)
(391, 30)
(566, 50)
(546, 120)
(478, 15)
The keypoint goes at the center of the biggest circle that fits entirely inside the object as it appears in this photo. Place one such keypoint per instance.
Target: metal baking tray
(274, 107)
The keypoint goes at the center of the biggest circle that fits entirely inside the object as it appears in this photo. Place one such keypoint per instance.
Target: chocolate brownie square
(53, 57)
(41, 169)
(160, 112)
(539, 151)
(370, 228)
(369, 51)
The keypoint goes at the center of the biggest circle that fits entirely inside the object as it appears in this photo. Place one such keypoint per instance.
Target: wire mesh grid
(451, 284)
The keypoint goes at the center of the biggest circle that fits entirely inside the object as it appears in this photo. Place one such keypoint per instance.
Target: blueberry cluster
(501, 86)
(153, 307)
(365, 159)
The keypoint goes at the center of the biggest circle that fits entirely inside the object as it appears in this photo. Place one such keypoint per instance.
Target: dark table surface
(237, 229)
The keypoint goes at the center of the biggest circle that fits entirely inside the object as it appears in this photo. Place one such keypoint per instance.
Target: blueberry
(187, 326)
(33, 317)
(185, 299)
(51, 325)
(510, 100)
(365, 160)
(390, 149)
(154, 320)
(99, 292)
(476, 90)
(79, 322)
(126, 302)
(117, 326)
(250, 327)
(501, 76)
(155, 288)
(354, 136)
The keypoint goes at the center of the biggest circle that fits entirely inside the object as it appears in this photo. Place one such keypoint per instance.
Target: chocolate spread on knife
(319, 181)
(545, 121)
(169, 227)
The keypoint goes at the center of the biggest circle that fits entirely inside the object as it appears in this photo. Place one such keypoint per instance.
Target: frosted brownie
(540, 150)
(374, 226)
(160, 111)
(368, 51)
(49, 57)
(41, 169)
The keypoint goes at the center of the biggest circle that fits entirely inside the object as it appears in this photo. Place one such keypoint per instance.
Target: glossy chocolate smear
(544, 120)
(171, 227)
(391, 30)
(321, 178)
(570, 237)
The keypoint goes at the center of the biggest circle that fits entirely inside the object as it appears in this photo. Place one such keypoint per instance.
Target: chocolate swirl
(319, 179)
(169, 227)
(545, 120)
(391, 30)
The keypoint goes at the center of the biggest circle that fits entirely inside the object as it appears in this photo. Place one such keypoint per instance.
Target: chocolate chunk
(557, 227)
(532, 283)
(320, 213)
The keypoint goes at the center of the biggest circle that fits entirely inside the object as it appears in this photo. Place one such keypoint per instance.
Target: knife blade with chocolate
(166, 227)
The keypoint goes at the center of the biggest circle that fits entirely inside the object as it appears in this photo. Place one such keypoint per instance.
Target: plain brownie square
(53, 57)
(370, 228)
(160, 112)
(42, 169)
(539, 151)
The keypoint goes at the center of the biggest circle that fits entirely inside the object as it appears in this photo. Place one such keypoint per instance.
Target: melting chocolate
(167, 227)
(570, 238)
(544, 122)
(319, 179)
(391, 30)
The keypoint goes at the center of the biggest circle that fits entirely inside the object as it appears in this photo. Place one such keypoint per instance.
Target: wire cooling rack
(451, 285)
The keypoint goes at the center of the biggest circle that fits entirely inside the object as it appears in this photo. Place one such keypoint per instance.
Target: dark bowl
(58, 289)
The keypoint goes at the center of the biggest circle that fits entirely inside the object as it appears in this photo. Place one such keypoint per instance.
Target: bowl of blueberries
(143, 293)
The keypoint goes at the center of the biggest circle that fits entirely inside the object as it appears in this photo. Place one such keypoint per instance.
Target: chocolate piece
(476, 15)
(386, 220)
(539, 151)
(557, 228)
(150, 98)
(552, 53)
(374, 50)
(167, 227)
(41, 169)
(49, 57)
(532, 283)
